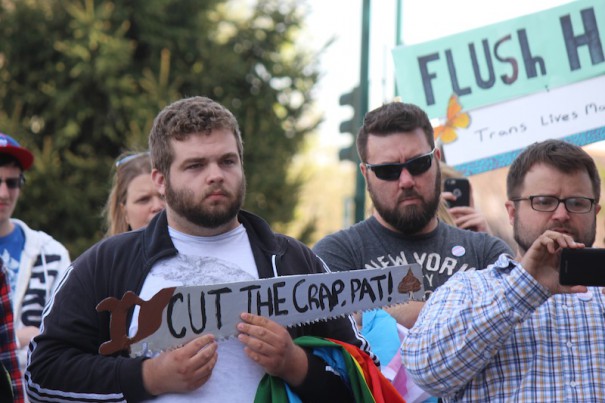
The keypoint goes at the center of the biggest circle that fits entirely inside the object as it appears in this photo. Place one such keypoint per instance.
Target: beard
(409, 219)
(525, 236)
(184, 203)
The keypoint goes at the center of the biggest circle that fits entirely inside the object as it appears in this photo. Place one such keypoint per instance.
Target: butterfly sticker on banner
(456, 119)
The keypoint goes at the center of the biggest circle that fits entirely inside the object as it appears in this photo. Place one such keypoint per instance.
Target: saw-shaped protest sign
(176, 315)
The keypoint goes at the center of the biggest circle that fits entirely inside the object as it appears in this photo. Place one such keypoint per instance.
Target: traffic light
(352, 125)
(348, 153)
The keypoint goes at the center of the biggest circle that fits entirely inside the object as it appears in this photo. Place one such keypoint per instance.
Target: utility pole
(398, 30)
(364, 73)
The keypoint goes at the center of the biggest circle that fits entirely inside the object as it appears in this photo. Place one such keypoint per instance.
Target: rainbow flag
(364, 378)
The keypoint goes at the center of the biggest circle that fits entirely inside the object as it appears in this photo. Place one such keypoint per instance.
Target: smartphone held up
(459, 187)
(582, 266)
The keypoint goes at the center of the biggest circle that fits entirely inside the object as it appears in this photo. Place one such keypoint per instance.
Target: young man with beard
(512, 332)
(202, 237)
(399, 162)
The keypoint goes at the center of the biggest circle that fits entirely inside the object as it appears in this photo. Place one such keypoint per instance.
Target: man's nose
(215, 173)
(561, 212)
(406, 179)
(4, 190)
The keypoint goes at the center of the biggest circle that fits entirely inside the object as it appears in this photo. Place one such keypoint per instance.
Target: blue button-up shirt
(497, 334)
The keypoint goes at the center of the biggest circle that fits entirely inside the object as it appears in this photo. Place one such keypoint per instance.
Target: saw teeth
(343, 308)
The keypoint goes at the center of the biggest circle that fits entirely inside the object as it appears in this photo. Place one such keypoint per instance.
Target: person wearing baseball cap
(33, 260)
(9, 146)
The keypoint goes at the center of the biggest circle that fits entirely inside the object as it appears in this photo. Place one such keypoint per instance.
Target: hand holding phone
(582, 266)
(459, 187)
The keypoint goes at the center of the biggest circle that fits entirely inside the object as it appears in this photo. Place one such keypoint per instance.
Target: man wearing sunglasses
(33, 260)
(511, 332)
(399, 162)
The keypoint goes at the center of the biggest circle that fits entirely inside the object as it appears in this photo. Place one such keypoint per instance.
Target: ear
(597, 208)
(364, 171)
(159, 180)
(437, 154)
(510, 208)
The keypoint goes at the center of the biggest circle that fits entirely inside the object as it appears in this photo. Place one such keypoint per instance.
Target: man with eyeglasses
(512, 332)
(399, 162)
(33, 260)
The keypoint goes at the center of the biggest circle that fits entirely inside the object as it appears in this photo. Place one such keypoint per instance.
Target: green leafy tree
(81, 80)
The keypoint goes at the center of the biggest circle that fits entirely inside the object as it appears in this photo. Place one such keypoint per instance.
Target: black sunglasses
(13, 183)
(392, 171)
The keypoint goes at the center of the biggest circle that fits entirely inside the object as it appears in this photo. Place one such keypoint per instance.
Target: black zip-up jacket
(64, 361)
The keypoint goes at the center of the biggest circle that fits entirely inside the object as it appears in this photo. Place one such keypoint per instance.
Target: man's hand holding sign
(189, 312)
(186, 320)
(268, 344)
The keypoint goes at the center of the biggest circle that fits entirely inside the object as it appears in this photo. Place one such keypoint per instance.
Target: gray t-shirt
(441, 253)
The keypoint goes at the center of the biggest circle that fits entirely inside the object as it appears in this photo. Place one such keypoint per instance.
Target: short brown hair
(180, 119)
(392, 118)
(558, 154)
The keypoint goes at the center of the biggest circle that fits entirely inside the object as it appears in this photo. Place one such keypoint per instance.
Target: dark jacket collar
(262, 239)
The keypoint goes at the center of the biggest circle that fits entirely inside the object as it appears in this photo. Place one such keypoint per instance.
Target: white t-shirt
(201, 261)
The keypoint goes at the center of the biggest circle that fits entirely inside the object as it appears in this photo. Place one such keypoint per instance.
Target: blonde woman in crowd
(133, 200)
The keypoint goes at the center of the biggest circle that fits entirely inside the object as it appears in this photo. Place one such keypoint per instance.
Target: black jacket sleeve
(65, 364)
(321, 385)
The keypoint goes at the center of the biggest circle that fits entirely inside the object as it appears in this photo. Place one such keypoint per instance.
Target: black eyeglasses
(548, 204)
(13, 183)
(391, 172)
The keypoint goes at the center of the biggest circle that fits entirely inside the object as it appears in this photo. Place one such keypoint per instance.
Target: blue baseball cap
(10, 146)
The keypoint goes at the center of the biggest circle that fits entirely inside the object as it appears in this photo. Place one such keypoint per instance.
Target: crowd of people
(494, 325)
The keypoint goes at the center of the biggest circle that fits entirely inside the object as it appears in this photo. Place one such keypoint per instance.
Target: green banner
(504, 61)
